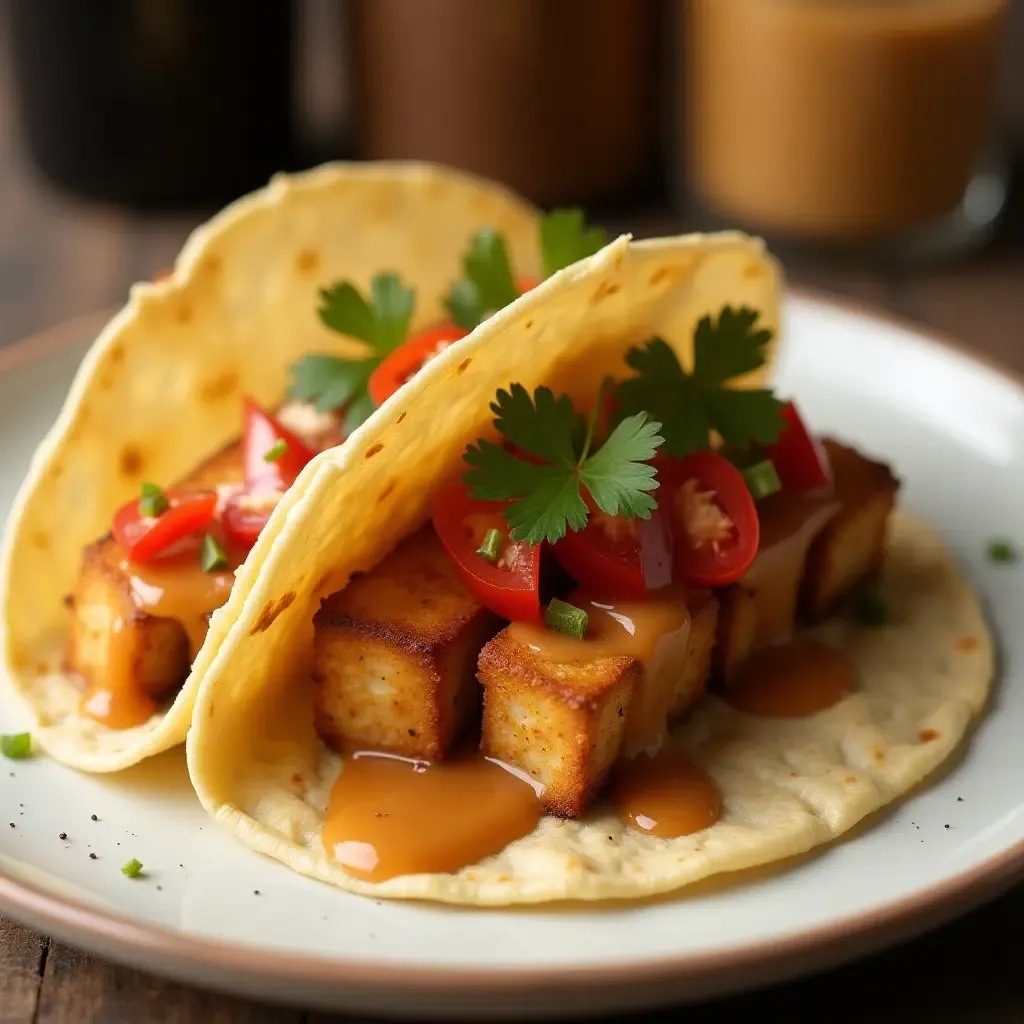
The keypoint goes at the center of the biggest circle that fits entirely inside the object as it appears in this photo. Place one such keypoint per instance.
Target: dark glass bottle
(155, 102)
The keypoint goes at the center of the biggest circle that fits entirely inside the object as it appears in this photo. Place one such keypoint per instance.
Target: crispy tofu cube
(692, 681)
(565, 711)
(152, 650)
(395, 653)
(849, 551)
(564, 724)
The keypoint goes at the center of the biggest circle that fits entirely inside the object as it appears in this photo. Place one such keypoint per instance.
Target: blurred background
(880, 134)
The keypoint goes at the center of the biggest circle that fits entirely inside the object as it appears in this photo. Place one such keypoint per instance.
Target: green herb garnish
(17, 746)
(132, 869)
(566, 618)
(490, 549)
(547, 496)
(153, 502)
(1003, 552)
(762, 479)
(488, 282)
(690, 405)
(275, 451)
(332, 382)
(871, 607)
(212, 556)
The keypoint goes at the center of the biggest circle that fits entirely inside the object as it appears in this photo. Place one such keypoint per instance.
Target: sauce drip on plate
(792, 680)
(390, 815)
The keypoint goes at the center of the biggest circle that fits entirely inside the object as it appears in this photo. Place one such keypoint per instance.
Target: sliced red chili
(405, 362)
(272, 456)
(800, 460)
(714, 518)
(619, 557)
(144, 538)
(510, 586)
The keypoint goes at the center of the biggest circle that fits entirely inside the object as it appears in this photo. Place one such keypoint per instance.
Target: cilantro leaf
(619, 475)
(547, 496)
(487, 284)
(337, 382)
(692, 405)
(565, 238)
(382, 323)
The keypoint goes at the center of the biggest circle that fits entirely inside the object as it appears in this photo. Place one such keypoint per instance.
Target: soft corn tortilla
(261, 771)
(160, 388)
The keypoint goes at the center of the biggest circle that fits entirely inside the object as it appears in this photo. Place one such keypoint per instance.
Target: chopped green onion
(762, 479)
(491, 546)
(275, 451)
(132, 869)
(153, 502)
(1002, 551)
(16, 746)
(872, 607)
(212, 556)
(566, 618)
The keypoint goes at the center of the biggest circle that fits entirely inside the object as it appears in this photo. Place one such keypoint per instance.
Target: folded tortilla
(260, 769)
(160, 388)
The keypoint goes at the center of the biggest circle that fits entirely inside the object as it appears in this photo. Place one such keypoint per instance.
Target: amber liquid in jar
(838, 120)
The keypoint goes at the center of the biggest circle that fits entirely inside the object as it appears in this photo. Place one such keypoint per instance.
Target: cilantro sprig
(334, 382)
(547, 495)
(690, 405)
(489, 283)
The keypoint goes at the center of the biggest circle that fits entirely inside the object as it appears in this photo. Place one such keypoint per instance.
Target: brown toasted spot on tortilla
(927, 735)
(56, 471)
(464, 365)
(879, 753)
(271, 612)
(966, 643)
(373, 450)
(528, 324)
(183, 314)
(209, 711)
(851, 779)
(604, 289)
(386, 493)
(106, 382)
(307, 261)
(130, 461)
(660, 274)
(221, 386)
(116, 353)
(400, 418)
(40, 540)
(752, 271)
(212, 265)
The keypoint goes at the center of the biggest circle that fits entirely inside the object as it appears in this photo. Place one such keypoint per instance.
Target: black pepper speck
(12, 824)
(159, 888)
(63, 835)
(92, 856)
(959, 799)
(255, 892)
(945, 826)
(92, 817)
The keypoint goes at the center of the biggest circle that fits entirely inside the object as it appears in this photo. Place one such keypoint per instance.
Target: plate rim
(130, 938)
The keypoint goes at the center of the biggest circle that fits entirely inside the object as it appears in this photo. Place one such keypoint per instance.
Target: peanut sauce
(792, 680)
(172, 588)
(665, 795)
(390, 815)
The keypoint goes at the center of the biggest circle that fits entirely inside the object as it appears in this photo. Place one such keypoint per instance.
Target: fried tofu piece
(564, 724)
(814, 550)
(152, 650)
(565, 711)
(850, 550)
(692, 682)
(395, 653)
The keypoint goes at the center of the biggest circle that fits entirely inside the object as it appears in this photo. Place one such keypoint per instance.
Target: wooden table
(60, 257)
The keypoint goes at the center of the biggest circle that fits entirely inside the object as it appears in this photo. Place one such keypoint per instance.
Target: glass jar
(855, 125)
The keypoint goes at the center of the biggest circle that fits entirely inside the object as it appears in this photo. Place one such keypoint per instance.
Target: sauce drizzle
(390, 815)
(792, 680)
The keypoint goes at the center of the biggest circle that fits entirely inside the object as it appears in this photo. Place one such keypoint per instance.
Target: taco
(586, 611)
(286, 321)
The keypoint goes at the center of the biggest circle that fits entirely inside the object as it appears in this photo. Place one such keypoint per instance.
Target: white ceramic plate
(953, 428)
